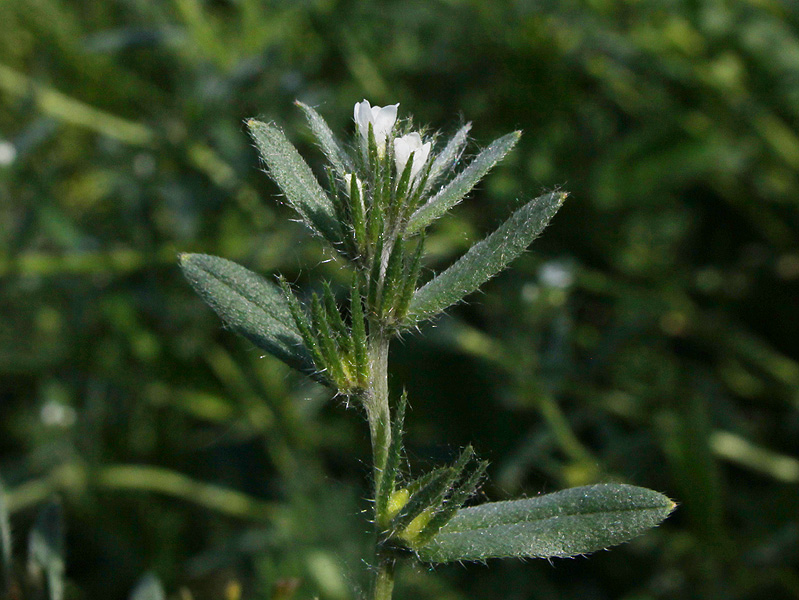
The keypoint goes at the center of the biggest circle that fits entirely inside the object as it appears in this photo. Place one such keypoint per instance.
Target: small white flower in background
(403, 147)
(56, 414)
(556, 274)
(382, 119)
(8, 153)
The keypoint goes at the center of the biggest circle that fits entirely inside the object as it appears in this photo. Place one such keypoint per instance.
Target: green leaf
(485, 259)
(567, 523)
(447, 158)
(462, 184)
(327, 345)
(360, 353)
(295, 178)
(388, 477)
(465, 490)
(148, 588)
(46, 550)
(327, 140)
(5, 542)
(249, 305)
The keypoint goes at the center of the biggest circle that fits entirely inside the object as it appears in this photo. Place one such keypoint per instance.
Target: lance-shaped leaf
(462, 184)
(249, 305)
(5, 542)
(327, 140)
(485, 259)
(447, 158)
(46, 551)
(295, 178)
(567, 523)
(148, 588)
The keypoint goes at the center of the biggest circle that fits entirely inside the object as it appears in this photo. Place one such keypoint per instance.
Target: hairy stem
(384, 580)
(376, 401)
(379, 416)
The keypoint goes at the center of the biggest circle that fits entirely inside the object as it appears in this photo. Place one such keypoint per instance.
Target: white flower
(403, 146)
(382, 119)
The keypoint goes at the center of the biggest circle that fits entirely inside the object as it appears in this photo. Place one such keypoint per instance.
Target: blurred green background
(650, 336)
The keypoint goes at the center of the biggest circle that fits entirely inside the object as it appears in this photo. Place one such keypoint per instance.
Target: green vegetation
(648, 337)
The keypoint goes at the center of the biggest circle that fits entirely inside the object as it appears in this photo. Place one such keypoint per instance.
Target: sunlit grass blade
(148, 588)
(485, 259)
(567, 523)
(296, 180)
(448, 157)
(332, 148)
(249, 305)
(5, 542)
(46, 550)
(462, 184)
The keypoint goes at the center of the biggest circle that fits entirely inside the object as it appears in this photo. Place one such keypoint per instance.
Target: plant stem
(384, 580)
(379, 416)
(376, 401)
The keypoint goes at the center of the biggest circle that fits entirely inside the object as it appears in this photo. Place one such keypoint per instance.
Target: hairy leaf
(295, 178)
(567, 523)
(485, 259)
(447, 158)
(462, 184)
(327, 140)
(249, 305)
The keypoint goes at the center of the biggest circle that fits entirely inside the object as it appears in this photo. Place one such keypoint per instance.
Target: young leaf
(46, 550)
(340, 331)
(327, 140)
(567, 523)
(358, 331)
(389, 476)
(485, 259)
(5, 542)
(461, 494)
(324, 337)
(393, 279)
(148, 588)
(412, 272)
(295, 178)
(463, 183)
(249, 305)
(447, 158)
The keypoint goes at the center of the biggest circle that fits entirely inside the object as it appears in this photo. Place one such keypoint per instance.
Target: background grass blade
(567, 523)
(485, 259)
(5, 542)
(46, 551)
(249, 305)
(148, 588)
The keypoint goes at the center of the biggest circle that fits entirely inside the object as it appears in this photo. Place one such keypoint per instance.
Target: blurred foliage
(651, 337)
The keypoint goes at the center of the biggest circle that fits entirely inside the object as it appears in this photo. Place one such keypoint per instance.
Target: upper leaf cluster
(374, 214)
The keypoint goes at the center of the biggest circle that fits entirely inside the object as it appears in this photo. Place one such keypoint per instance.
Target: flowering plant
(378, 203)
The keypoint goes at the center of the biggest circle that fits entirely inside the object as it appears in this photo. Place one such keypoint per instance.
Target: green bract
(380, 198)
